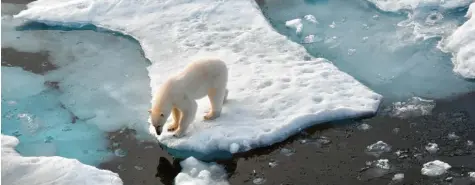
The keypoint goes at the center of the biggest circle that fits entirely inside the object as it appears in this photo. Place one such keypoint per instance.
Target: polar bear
(178, 94)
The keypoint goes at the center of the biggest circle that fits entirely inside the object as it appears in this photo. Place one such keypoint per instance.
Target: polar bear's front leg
(176, 119)
(188, 112)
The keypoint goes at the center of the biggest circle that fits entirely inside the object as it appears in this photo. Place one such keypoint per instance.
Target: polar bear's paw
(212, 115)
(173, 127)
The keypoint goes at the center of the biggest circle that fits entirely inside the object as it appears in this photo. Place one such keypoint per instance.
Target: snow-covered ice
(295, 24)
(292, 90)
(462, 44)
(399, 5)
(17, 170)
(199, 173)
(435, 168)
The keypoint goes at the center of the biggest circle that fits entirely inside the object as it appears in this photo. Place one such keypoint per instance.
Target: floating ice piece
(311, 39)
(295, 24)
(259, 180)
(364, 126)
(469, 143)
(462, 46)
(280, 109)
(17, 169)
(311, 19)
(287, 152)
(413, 107)
(398, 177)
(435, 168)
(383, 164)
(471, 175)
(378, 148)
(432, 147)
(199, 173)
(453, 136)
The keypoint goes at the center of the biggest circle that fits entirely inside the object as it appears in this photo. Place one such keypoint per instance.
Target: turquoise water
(369, 45)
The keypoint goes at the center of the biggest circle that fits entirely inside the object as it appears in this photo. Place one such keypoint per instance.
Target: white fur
(181, 91)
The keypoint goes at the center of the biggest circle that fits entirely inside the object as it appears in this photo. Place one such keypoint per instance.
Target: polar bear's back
(202, 74)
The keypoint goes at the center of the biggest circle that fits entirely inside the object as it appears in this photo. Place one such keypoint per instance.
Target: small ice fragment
(120, 153)
(469, 143)
(324, 140)
(471, 175)
(296, 24)
(287, 152)
(448, 179)
(115, 144)
(259, 180)
(396, 130)
(365, 26)
(413, 107)
(432, 147)
(383, 164)
(378, 148)
(398, 177)
(333, 25)
(138, 168)
(310, 39)
(311, 19)
(401, 154)
(148, 147)
(273, 164)
(435, 168)
(364, 126)
(365, 39)
(452, 136)
(11, 102)
(375, 16)
(351, 51)
(234, 148)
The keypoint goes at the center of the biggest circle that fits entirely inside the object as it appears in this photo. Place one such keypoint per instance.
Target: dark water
(339, 159)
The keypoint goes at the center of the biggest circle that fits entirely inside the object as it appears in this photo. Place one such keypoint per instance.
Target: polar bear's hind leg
(216, 99)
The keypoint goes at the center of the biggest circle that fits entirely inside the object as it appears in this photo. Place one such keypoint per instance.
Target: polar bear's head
(159, 115)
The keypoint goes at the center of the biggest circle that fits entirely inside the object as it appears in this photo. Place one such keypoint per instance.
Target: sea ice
(435, 168)
(15, 81)
(462, 45)
(295, 24)
(17, 169)
(198, 173)
(292, 91)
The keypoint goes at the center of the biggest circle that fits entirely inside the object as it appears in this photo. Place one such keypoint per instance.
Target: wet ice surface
(412, 107)
(435, 168)
(400, 50)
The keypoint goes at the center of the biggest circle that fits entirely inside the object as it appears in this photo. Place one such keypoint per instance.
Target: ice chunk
(398, 5)
(199, 173)
(435, 168)
(295, 24)
(452, 136)
(17, 83)
(383, 164)
(471, 175)
(284, 105)
(364, 126)
(378, 148)
(398, 177)
(432, 147)
(17, 169)
(311, 19)
(413, 107)
(462, 45)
